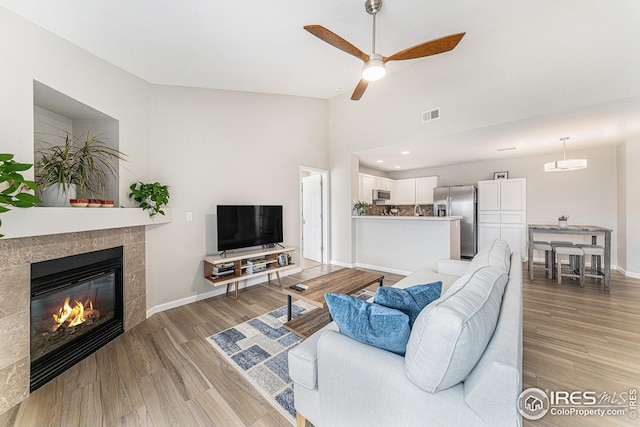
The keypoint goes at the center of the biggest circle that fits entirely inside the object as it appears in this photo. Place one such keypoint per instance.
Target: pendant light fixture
(565, 164)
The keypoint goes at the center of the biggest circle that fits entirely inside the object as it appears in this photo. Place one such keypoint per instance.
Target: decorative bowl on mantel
(107, 204)
(78, 203)
(94, 203)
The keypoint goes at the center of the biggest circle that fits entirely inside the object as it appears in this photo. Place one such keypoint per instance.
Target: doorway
(313, 215)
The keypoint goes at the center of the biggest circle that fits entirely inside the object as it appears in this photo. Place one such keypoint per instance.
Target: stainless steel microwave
(381, 195)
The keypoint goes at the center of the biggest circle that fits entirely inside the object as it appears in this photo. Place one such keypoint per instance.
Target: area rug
(258, 349)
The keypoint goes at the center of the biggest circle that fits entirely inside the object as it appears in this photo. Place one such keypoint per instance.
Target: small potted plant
(151, 197)
(360, 207)
(562, 221)
(13, 183)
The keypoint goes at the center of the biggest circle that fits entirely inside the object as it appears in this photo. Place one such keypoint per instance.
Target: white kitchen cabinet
(514, 235)
(512, 194)
(366, 188)
(487, 233)
(405, 192)
(502, 213)
(489, 195)
(424, 189)
(378, 183)
(502, 195)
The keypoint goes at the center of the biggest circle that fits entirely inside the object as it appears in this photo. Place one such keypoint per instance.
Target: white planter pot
(54, 196)
(562, 224)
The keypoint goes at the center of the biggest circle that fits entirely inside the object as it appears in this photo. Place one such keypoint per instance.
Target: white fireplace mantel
(40, 221)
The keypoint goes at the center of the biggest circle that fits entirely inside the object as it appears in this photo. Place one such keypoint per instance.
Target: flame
(73, 316)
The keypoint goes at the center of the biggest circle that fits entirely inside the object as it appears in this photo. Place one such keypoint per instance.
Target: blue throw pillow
(372, 324)
(410, 300)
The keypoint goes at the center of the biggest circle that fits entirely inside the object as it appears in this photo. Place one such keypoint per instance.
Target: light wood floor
(163, 372)
(579, 339)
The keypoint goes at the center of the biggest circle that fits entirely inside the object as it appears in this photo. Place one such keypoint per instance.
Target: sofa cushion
(410, 300)
(370, 323)
(497, 254)
(451, 334)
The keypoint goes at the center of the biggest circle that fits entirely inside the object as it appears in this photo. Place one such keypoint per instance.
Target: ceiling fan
(374, 68)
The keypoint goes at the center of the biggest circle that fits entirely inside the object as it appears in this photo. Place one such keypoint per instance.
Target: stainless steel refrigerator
(459, 200)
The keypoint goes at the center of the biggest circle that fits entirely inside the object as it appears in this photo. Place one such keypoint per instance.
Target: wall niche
(57, 115)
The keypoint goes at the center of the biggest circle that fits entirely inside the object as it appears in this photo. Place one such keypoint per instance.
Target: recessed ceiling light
(379, 161)
(338, 89)
(406, 152)
(397, 167)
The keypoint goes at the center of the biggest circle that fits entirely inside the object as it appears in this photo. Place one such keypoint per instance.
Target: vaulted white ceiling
(259, 46)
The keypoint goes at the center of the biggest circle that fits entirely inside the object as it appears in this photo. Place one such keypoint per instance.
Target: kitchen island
(402, 244)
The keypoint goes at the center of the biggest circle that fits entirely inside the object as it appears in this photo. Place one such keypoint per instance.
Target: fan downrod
(373, 6)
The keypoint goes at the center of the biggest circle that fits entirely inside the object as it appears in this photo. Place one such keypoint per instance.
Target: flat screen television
(243, 226)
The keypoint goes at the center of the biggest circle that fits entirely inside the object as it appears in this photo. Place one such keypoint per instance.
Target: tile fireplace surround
(16, 256)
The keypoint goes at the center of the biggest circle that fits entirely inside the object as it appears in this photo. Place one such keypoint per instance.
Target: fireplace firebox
(76, 308)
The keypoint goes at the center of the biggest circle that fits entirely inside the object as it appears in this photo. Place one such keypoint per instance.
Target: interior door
(312, 217)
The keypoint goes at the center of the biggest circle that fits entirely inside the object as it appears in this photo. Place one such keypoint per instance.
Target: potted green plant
(81, 164)
(562, 221)
(360, 207)
(13, 184)
(151, 197)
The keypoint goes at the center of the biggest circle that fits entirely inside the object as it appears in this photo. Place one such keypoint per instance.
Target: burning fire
(73, 316)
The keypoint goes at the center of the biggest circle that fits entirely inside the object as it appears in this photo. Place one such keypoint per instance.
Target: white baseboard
(341, 264)
(215, 292)
(628, 273)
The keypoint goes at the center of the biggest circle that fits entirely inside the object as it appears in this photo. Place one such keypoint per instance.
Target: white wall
(220, 147)
(633, 206)
(30, 53)
(621, 177)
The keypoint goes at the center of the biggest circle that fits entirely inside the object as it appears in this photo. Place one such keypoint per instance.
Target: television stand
(246, 265)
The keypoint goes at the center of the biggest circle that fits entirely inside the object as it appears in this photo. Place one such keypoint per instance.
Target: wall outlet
(189, 216)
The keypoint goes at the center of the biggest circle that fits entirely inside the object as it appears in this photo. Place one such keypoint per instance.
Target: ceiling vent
(430, 115)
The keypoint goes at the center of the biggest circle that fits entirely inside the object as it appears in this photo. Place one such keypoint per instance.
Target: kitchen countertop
(412, 218)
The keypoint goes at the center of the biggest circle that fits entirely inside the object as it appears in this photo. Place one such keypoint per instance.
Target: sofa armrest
(303, 359)
(453, 267)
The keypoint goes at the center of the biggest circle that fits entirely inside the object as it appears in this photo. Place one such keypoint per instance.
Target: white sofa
(449, 376)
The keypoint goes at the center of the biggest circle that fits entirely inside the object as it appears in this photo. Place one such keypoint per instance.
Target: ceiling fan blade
(359, 90)
(336, 41)
(433, 47)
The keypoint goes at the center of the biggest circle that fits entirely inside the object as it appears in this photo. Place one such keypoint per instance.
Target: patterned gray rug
(258, 349)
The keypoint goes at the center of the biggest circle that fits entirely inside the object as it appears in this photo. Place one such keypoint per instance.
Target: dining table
(589, 230)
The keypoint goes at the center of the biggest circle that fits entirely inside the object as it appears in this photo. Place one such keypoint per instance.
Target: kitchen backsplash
(403, 210)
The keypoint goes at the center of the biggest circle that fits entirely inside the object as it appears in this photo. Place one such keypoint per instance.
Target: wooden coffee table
(345, 281)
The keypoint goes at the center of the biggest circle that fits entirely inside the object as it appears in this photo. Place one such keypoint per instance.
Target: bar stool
(539, 245)
(554, 244)
(597, 253)
(576, 253)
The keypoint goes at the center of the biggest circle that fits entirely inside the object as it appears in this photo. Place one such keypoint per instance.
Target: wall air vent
(430, 115)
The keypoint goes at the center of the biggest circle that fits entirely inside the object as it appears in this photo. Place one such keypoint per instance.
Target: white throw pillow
(451, 334)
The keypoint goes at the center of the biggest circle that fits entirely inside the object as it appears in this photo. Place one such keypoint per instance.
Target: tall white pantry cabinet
(502, 213)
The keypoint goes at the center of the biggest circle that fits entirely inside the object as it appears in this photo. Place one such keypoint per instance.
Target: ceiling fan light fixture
(374, 68)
